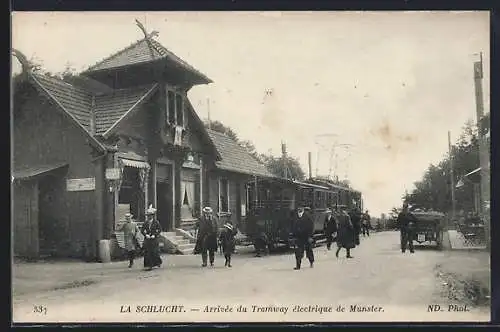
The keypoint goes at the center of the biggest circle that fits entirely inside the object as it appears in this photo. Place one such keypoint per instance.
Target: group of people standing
(340, 225)
(206, 243)
(209, 236)
(150, 233)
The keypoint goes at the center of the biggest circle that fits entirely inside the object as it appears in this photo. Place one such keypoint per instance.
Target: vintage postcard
(180, 167)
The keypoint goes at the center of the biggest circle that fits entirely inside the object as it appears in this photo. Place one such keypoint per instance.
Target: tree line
(433, 191)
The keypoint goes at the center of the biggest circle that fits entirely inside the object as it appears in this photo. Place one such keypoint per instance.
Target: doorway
(51, 230)
(164, 204)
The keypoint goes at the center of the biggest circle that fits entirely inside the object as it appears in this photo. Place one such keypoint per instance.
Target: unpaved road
(400, 286)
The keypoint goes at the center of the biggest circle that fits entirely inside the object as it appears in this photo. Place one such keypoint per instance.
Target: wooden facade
(67, 138)
(227, 179)
(44, 138)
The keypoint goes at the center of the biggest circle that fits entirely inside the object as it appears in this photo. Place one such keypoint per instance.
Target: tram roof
(306, 184)
(335, 186)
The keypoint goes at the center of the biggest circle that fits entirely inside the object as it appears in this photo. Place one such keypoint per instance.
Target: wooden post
(483, 149)
(310, 165)
(201, 185)
(452, 179)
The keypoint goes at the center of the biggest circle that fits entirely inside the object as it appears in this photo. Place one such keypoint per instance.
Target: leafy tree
(276, 166)
(221, 128)
(433, 191)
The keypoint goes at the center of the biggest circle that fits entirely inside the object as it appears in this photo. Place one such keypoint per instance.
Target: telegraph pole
(208, 110)
(483, 148)
(285, 160)
(452, 179)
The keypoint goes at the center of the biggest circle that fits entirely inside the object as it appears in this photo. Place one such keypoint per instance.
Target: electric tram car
(272, 204)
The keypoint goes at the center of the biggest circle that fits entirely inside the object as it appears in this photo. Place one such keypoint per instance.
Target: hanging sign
(112, 174)
(86, 184)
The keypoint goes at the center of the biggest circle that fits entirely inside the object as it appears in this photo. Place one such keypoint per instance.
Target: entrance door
(164, 204)
(49, 228)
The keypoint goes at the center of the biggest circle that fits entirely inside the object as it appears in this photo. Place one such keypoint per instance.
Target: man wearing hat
(227, 240)
(207, 236)
(356, 215)
(330, 228)
(151, 231)
(303, 232)
(130, 232)
(406, 222)
(366, 225)
(345, 232)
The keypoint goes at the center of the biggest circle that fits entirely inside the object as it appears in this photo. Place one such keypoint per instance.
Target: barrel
(104, 251)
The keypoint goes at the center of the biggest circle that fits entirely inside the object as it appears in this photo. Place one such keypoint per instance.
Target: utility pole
(483, 148)
(309, 163)
(285, 160)
(452, 179)
(208, 110)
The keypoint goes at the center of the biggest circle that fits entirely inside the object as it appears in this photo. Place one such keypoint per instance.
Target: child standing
(227, 240)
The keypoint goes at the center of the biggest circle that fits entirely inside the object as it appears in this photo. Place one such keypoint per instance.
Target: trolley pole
(483, 148)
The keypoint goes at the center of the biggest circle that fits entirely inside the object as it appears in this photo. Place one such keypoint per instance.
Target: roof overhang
(37, 171)
(162, 65)
(234, 170)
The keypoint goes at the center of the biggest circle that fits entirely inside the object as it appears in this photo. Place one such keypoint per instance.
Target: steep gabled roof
(143, 51)
(74, 100)
(235, 158)
(112, 107)
(109, 107)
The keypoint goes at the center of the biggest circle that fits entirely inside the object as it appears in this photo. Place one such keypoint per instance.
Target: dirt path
(380, 276)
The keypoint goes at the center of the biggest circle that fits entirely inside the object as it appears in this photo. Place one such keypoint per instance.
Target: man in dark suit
(303, 232)
(355, 215)
(330, 228)
(406, 224)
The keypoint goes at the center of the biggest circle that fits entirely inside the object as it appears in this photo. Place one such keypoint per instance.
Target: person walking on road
(303, 232)
(366, 224)
(345, 233)
(406, 223)
(355, 216)
(228, 243)
(206, 243)
(130, 233)
(330, 228)
(151, 231)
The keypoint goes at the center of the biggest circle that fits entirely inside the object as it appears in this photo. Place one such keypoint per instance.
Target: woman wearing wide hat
(151, 231)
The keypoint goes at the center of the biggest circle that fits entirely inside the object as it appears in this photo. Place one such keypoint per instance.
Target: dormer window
(175, 110)
(179, 109)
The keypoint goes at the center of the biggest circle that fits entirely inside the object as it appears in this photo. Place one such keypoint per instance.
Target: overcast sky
(390, 84)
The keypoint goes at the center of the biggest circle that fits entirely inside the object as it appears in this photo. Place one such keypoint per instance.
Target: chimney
(310, 167)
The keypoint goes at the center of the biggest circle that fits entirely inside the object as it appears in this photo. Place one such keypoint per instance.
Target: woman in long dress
(345, 234)
(151, 231)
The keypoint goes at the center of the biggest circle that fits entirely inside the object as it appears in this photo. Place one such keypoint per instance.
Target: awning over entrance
(134, 163)
(36, 171)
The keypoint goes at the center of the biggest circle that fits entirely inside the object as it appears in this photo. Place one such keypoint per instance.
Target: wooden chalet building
(228, 191)
(122, 136)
